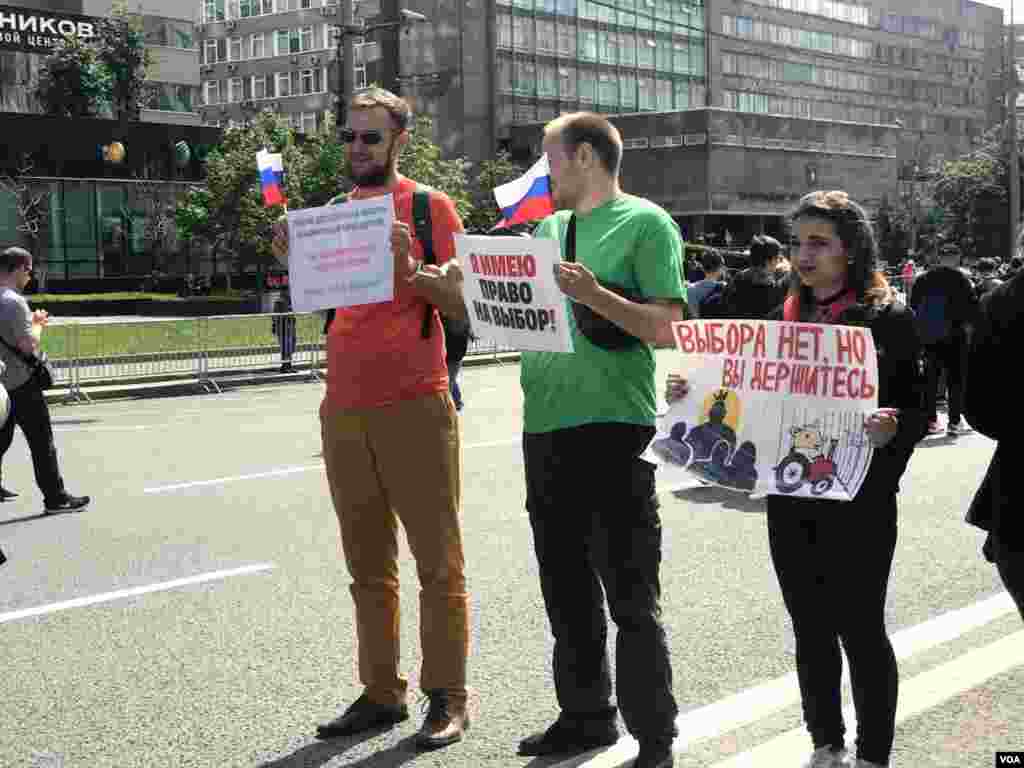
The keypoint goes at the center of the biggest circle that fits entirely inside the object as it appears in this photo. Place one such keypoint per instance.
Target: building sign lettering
(39, 31)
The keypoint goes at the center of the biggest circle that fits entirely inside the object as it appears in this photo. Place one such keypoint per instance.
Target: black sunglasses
(369, 137)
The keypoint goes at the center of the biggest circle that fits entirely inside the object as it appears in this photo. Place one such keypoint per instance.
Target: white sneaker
(826, 757)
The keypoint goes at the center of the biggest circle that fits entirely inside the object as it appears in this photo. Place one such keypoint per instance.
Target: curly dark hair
(854, 230)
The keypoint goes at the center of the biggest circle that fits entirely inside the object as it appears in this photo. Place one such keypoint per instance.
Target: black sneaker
(571, 736)
(3, 557)
(655, 754)
(6, 495)
(68, 504)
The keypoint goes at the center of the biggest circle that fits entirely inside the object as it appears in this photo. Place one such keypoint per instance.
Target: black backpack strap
(570, 239)
(329, 315)
(425, 234)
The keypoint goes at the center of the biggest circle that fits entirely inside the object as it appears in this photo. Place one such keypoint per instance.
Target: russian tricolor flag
(271, 177)
(527, 198)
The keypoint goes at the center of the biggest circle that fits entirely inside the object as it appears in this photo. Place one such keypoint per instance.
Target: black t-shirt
(951, 283)
(753, 295)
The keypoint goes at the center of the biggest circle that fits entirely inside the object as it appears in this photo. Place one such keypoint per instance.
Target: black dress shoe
(6, 495)
(362, 715)
(569, 736)
(3, 557)
(655, 754)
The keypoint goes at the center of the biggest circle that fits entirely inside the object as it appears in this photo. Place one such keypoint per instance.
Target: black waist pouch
(599, 330)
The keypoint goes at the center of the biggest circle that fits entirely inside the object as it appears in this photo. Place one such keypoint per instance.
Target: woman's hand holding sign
(882, 426)
(676, 388)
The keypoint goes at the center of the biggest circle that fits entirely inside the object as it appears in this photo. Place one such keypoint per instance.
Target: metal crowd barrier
(204, 349)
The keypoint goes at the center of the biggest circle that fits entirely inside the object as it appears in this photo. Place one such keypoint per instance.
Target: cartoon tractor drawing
(811, 460)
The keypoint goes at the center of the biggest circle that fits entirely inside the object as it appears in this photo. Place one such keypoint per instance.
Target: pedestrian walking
(20, 334)
(587, 419)
(283, 325)
(758, 289)
(944, 306)
(996, 507)
(391, 442)
(833, 559)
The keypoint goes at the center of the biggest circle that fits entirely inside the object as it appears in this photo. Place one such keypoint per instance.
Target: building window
(211, 92)
(546, 35)
(645, 93)
(588, 45)
(547, 84)
(522, 33)
(645, 47)
(744, 26)
(567, 83)
(608, 90)
(235, 49)
(259, 87)
(627, 91)
(795, 72)
(294, 5)
(306, 39)
(309, 81)
(257, 46)
(235, 93)
(504, 75)
(566, 38)
(210, 51)
(526, 78)
(283, 84)
(213, 10)
(587, 85)
(306, 122)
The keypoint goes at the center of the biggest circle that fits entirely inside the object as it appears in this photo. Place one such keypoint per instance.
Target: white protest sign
(774, 407)
(511, 293)
(340, 255)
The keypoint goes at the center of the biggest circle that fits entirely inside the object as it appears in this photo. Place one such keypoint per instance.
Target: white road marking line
(762, 700)
(917, 695)
(106, 597)
(281, 471)
(234, 478)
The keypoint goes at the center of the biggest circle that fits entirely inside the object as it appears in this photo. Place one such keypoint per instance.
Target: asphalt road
(198, 613)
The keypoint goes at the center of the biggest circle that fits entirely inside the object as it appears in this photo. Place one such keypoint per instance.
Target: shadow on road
(28, 518)
(322, 752)
(714, 495)
(72, 422)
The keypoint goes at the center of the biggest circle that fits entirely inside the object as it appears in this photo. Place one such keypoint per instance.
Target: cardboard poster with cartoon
(774, 407)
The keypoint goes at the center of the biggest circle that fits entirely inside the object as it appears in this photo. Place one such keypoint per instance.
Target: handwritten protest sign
(773, 408)
(511, 293)
(340, 255)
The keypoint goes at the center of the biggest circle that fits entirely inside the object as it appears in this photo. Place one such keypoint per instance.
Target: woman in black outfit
(833, 558)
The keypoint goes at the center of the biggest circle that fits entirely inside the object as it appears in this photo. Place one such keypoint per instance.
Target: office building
(276, 54)
(30, 28)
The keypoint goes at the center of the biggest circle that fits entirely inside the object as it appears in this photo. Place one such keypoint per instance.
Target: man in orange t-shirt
(391, 444)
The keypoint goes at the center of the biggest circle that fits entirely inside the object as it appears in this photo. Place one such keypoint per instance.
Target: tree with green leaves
(228, 211)
(72, 81)
(421, 161)
(973, 191)
(101, 76)
(493, 173)
(892, 227)
(121, 49)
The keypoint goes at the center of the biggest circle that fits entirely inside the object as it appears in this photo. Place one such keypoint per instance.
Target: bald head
(580, 128)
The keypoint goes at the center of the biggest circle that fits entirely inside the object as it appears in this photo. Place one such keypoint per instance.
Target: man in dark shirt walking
(944, 304)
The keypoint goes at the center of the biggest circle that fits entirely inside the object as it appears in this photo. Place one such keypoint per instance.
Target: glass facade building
(610, 56)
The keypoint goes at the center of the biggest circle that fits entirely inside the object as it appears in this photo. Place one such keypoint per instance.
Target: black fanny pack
(599, 330)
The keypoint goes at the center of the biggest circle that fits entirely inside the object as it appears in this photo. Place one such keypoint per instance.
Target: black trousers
(833, 561)
(597, 534)
(1009, 560)
(30, 412)
(949, 356)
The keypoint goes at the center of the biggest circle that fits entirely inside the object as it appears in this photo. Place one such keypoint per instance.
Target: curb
(113, 390)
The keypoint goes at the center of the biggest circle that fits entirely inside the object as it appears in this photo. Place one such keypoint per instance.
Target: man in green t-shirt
(588, 416)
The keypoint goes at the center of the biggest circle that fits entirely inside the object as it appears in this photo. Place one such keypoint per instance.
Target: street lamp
(345, 54)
